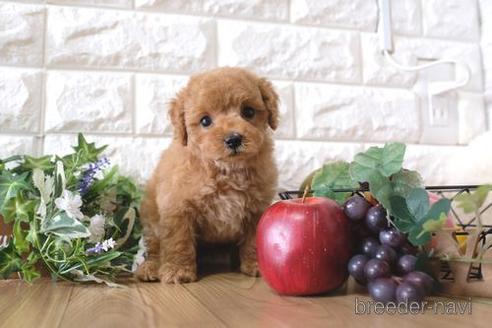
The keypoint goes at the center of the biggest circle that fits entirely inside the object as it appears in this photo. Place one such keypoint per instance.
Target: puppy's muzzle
(233, 141)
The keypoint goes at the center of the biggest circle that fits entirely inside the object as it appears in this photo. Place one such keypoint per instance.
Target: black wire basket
(462, 221)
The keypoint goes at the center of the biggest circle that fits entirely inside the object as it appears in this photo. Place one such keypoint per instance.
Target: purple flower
(90, 173)
(102, 247)
(96, 249)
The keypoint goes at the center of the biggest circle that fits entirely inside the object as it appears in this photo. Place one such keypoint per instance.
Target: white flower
(108, 244)
(139, 258)
(99, 175)
(70, 203)
(96, 228)
(4, 241)
(45, 185)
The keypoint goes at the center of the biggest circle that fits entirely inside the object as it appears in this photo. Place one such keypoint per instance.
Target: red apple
(303, 247)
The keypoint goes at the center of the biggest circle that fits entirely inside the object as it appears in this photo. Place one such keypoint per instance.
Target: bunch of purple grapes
(385, 261)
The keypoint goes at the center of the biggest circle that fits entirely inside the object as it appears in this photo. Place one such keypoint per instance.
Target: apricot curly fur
(200, 190)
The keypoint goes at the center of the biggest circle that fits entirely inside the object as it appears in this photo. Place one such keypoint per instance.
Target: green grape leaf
(420, 233)
(418, 203)
(333, 176)
(385, 161)
(381, 187)
(392, 158)
(439, 208)
(64, 226)
(404, 181)
(432, 225)
(403, 218)
(471, 202)
(413, 216)
(422, 264)
(419, 237)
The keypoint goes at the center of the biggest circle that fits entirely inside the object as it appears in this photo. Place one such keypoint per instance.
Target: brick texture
(109, 68)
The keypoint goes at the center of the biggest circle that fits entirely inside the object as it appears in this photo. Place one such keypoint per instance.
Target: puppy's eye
(248, 112)
(206, 121)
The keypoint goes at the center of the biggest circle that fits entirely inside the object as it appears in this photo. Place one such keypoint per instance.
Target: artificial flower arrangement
(75, 217)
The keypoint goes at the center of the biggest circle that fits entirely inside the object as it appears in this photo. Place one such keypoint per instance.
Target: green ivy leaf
(29, 273)
(8, 211)
(385, 161)
(19, 238)
(24, 209)
(43, 163)
(102, 184)
(99, 260)
(32, 234)
(471, 202)
(333, 176)
(88, 151)
(10, 262)
(10, 185)
(64, 226)
(18, 208)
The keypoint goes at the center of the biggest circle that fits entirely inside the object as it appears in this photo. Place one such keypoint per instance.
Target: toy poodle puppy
(216, 178)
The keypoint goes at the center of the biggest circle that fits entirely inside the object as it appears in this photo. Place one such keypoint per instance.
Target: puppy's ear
(177, 115)
(270, 98)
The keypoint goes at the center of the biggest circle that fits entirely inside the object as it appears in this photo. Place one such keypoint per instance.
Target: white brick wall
(109, 68)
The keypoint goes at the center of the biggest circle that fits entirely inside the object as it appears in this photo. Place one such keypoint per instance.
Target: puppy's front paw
(148, 271)
(250, 268)
(176, 274)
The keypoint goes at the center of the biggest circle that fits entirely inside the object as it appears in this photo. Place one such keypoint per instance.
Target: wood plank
(240, 301)
(172, 305)
(220, 300)
(96, 305)
(345, 305)
(39, 305)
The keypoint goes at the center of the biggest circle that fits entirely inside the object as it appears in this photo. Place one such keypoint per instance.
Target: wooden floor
(220, 300)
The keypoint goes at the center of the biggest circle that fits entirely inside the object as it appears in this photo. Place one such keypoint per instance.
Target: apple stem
(306, 190)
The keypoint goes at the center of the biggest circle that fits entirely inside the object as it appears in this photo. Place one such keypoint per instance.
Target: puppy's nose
(233, 141)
